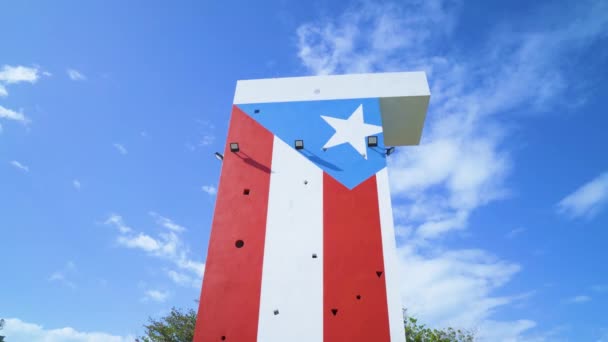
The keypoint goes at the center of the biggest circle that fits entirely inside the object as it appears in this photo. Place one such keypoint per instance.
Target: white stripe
(391, 265)
(292, 280)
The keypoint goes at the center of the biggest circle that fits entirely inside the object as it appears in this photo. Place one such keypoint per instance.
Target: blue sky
(110, 114)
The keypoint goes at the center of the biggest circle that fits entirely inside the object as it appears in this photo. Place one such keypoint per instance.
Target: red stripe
(230, 297)
(352, 247)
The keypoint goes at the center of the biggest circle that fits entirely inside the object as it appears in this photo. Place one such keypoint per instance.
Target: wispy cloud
(10, 114)
(209, 189)
(515, 233)
(117, 222)
(207, 130)
(462, 162)
(453, 287)
(19, 330)
(580, 299)
(167, 223)
(76, 184)
(587, 200)
(167, 245)
(184, 279)
(3, 91)
(20, 166)
(207, 140)
(144, 242)
(76, 75)
(156, 295)
(120, 148)
(61, 276)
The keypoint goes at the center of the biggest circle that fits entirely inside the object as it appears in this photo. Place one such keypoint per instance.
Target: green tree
(177, 326)
(420, 333)
(1, 326)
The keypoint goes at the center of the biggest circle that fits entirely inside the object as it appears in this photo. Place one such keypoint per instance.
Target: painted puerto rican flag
(302, 245)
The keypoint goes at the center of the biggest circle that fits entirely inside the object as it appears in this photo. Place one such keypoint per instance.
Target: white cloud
(12, 75)
(209, 189)
(207, 140)
(587, 200)
(167, 245)
(578, 299)
(167, 223)
(10, 114)
(76, 75)
(20, 166)
(462, 162)
(76, 184)
(156, 295)
(120, 148)
(117, 221)
(140, 241)
(453, 287)
(505, 331)
(17, 74)
(184, 279)
(62, 276)
(17, 330)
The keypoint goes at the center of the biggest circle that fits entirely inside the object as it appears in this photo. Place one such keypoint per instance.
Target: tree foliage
(420, 333)
(1, 326)
(177, 326)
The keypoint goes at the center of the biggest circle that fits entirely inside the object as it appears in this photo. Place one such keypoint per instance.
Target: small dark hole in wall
(239, 243)
(246, 191)
(276, 312)
(314, 255)
(358, 297)
(334, 311)
(223, 338)
(379, 274)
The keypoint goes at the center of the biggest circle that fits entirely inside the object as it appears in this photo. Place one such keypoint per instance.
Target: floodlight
(372, 141)
(219, 156)
(234, 147)
(299, 144)
(390, 150)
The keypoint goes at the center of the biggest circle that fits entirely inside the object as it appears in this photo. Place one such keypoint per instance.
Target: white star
(352, 130)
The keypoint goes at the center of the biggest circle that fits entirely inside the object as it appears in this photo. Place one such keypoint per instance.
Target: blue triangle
(291, 121)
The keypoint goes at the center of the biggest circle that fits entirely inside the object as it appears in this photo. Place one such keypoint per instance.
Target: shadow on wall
(320, 161)
(248, 160)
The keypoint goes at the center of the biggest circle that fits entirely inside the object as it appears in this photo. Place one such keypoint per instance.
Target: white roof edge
(333, 87)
